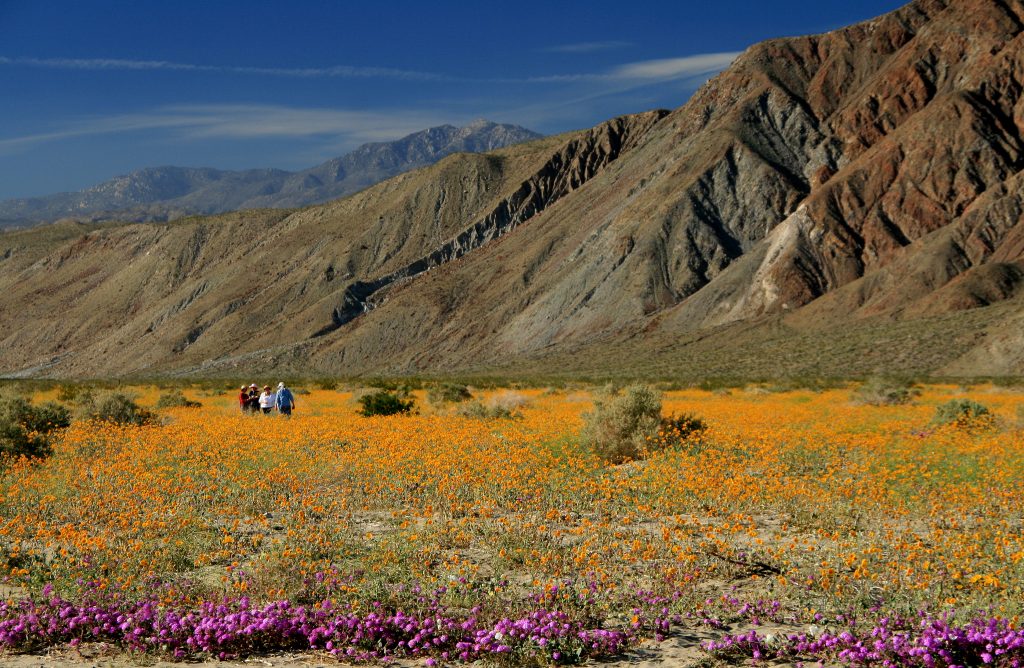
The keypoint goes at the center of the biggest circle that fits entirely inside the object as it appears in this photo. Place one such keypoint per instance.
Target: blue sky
(95, 88)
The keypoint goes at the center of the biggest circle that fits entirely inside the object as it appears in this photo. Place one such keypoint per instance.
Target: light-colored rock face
(819, 189)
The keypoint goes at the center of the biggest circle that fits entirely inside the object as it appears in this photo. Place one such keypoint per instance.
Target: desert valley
(735, 382)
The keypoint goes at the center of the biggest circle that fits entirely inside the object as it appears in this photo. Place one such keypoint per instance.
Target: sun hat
(280, 385)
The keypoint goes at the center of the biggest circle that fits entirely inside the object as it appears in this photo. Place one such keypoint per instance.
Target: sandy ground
(681, 650)
(91, 658)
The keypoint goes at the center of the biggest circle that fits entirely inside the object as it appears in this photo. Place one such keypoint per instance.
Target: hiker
(254, 398)
(285, 400)
(267, 400)
(243, 399)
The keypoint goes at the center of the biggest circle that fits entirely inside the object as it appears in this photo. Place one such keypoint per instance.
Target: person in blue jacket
(284, 399)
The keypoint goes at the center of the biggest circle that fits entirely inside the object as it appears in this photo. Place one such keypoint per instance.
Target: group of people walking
(251, 400)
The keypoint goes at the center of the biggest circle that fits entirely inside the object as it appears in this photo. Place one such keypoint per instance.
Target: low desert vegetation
(628, 424)
(111, 406)
(502, 405)
(385, 402)
(448, 393)
(791, 527)
(879, 391)
(326, 384)
(964, 414)
(176, 399)
(623, 424)
(27, 429)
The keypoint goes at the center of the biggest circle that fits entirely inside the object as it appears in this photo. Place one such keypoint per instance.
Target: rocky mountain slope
(837, 204)
(166, 193)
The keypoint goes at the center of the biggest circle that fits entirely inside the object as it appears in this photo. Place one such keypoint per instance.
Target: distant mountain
(165, 193)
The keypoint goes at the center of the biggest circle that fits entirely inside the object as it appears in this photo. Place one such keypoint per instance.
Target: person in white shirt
(267, 399)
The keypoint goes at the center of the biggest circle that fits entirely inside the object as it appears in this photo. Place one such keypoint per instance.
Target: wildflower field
(800, 525)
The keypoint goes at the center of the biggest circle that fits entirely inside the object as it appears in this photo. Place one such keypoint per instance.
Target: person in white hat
(267, 400)
(254, 398)
(285, 400)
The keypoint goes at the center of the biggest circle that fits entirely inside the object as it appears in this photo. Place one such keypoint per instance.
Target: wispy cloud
(675, 68)
(650, 71)
(347, 127)
(579, 90)
(208, 122)
(586, 47)
(115, 64)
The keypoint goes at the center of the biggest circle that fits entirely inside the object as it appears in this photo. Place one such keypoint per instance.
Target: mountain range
(166, 193)
(841, 204)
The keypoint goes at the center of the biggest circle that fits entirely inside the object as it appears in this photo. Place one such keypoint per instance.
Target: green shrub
(115, 407)
(448, 393)
(621, 425)
(963, 413)
(402, 387)
(175, 399)
(26, 429)
(884, 392)
(678, 428)
(684, 429)
(68, 393)
(384, 402)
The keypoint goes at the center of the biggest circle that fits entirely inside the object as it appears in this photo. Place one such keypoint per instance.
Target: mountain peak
(159, 193)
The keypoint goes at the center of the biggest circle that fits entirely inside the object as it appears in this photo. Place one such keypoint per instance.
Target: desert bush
(627, 425)
(676, 429)
(474, 409)
(884, 392)
(175, 399)
(503, 405)
(963, 413)
(68, 393)
(26, 429)
(329, 384)
(482, 411)
(621, 425)
(805, 383)
(507, 403)
(116, 407)
(718, 385)
(401, 387)
(384, 402)
(448, 393)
